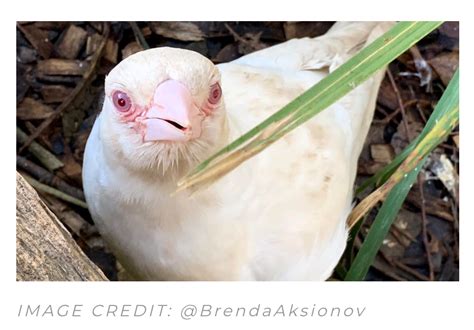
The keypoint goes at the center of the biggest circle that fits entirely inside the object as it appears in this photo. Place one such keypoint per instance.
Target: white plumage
(279, 216)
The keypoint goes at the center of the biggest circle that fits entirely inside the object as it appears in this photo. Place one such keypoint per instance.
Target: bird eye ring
(121, 101)
(216, 93)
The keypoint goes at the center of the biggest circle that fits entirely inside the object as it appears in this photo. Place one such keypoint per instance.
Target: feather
(279, 216)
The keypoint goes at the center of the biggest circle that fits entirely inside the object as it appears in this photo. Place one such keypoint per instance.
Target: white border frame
(389, 305)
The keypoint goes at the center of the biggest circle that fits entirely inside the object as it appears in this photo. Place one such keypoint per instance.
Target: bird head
(163, 108)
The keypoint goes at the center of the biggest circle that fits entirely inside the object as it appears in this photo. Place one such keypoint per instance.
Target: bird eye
(215, 94)
(121, 101)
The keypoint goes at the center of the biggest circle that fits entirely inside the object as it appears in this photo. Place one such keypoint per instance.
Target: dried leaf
(71, 167)
(444, 170)
(445, 65)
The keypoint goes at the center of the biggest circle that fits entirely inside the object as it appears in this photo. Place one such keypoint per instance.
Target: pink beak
(172, 116)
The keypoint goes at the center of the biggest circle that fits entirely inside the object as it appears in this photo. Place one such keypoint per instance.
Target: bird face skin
(172, 115)
(162, 115)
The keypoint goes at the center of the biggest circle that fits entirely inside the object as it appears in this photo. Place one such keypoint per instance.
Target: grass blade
(447, 118)
(380, 228)
(440, 110)
(348, 76)
(396, 188)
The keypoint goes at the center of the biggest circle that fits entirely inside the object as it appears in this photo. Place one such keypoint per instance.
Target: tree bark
(45, 251)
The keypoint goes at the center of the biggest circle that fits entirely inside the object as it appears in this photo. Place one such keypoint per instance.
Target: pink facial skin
(172, 114)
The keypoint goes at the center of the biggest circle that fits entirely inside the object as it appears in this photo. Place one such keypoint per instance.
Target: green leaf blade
(344, 79)
(442, 108)
(443, 119)
(380, 228)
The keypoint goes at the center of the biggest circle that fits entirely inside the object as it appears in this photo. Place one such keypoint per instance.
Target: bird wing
(282, 72)
(299, 191)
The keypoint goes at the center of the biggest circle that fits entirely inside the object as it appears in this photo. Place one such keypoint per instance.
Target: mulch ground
(60, 72)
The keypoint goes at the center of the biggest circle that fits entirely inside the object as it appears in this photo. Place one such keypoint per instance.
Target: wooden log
(45, 251)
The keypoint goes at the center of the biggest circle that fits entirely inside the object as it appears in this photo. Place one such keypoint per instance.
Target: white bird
(279, 216)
